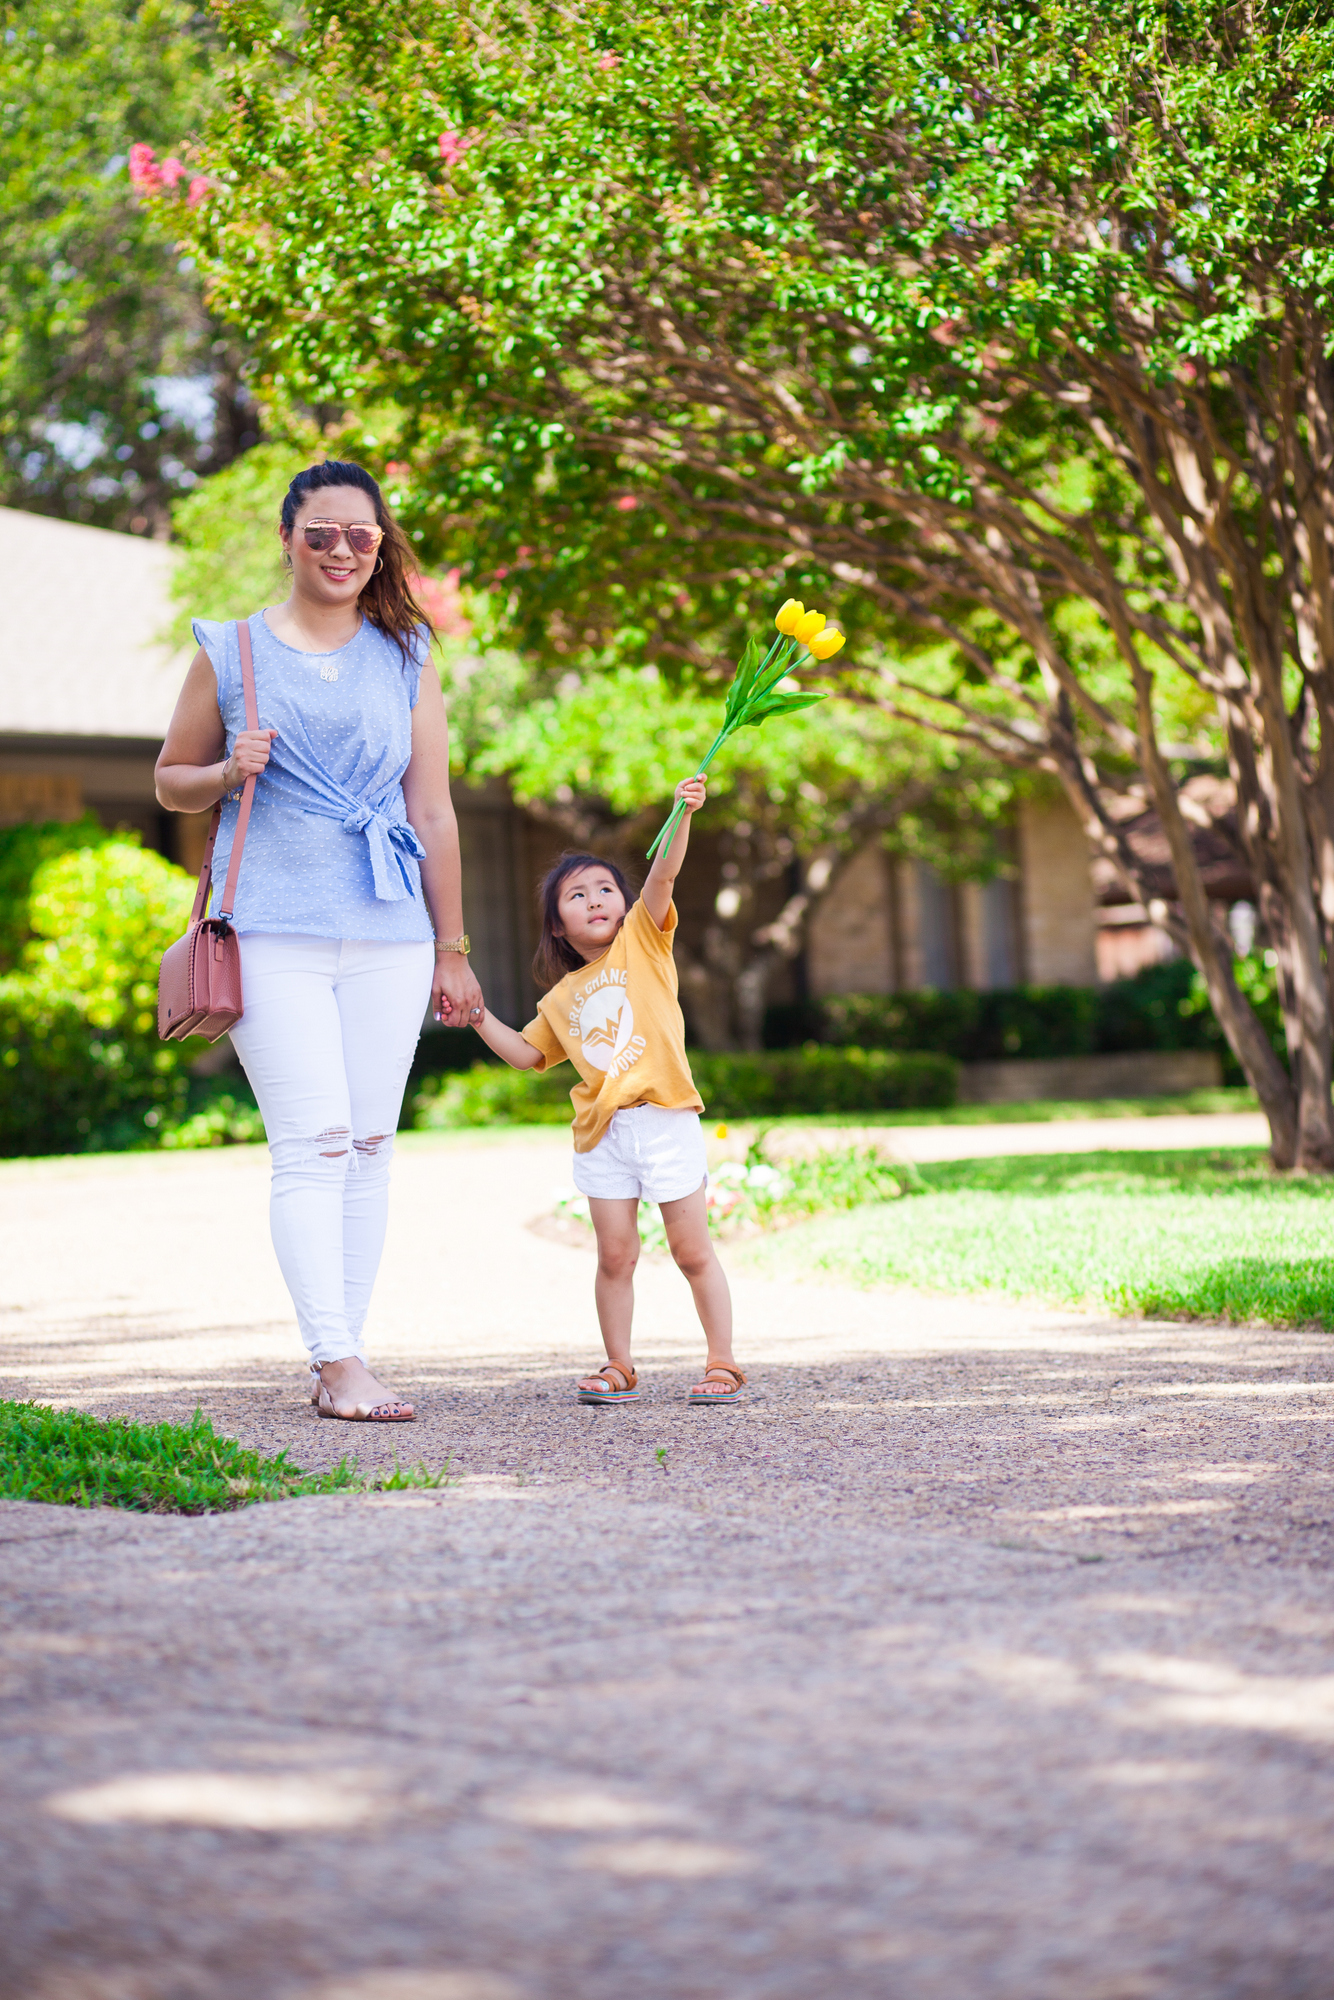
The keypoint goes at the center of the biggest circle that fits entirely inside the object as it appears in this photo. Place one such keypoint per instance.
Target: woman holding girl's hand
(349, 905)
(612, 1011)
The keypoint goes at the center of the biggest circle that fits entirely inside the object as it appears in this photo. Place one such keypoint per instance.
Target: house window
(937, 929)
(1000, 932)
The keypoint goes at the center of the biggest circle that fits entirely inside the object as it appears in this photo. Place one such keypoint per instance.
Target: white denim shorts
(646, 1153)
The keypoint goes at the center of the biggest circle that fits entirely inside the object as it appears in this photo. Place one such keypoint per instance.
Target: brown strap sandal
(720, 1399)
(392, 1412)
(630, 1393)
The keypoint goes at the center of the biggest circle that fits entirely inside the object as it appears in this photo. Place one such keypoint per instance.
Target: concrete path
(985, 1654)
(1172, 1133)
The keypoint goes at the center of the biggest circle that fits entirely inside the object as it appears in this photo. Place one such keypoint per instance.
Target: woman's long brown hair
(387, 601)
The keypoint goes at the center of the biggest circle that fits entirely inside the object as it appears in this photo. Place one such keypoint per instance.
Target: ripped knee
(329, 1142)
(376, 1146)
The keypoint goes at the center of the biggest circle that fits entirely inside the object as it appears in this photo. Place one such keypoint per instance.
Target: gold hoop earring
(379, 565)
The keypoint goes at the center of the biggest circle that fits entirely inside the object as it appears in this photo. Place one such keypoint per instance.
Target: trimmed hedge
(1163, 1007)
(770, 1084)
(971, 1027)
(777, 1081)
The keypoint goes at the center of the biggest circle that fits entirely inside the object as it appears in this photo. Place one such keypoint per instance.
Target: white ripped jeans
(327, 1039)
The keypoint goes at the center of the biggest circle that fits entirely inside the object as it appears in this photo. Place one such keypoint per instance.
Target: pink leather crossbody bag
(199, 982)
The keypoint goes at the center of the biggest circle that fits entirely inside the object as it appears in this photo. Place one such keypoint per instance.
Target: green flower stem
(756, 689)
(669, 826)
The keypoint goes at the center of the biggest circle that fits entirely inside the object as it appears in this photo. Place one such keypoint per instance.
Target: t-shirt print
(619, 1022)
(604, 1022)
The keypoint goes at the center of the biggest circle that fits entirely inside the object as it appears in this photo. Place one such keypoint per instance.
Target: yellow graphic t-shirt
(619, 1022)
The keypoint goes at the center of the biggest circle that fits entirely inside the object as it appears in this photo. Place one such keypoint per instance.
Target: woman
(351, 853)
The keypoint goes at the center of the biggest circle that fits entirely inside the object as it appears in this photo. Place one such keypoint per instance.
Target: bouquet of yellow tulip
(755, 694)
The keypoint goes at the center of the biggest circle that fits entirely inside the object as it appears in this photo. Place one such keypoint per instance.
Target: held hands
(456, 998)
(249, 756)
(693, 792)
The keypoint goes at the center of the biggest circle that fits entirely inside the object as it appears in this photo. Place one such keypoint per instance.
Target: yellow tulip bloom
(806, 628)
(786, 621)
(827, 643)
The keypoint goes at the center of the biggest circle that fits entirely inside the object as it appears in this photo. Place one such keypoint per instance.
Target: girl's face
(337, 575)
(590, 910)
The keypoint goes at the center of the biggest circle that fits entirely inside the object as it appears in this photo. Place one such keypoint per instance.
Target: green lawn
(1038, 1111)
(76, 1460)
(1197, 1235)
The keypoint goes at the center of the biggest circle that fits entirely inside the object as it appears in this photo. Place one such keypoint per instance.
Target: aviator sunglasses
(362, 538)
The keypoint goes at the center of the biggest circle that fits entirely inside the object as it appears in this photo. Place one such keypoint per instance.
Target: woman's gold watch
(463, 944)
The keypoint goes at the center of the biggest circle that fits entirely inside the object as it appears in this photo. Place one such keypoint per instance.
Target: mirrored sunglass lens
(321, 536)
(364, 540)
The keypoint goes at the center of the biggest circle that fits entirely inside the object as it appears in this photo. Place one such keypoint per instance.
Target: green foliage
(757, 1193)
(216, 1115)
(488, 1095)
(81, 1067)
(537, 304)
(108, 355)
(68, 1458)
(1207, 1235)
(623, 738)
(1257, 976)
(1045, 1110)
(777, 1081)
(23, 849)
(972, 1027)
(1164, 1007)
(765, 1084)
(755, 694)
(1005, 333)
(227, 529)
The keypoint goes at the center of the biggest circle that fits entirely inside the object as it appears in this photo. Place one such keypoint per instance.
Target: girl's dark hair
(555, 955)
(387, 600)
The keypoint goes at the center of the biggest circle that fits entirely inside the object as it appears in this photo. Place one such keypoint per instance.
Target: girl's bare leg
(688, 1239)
(616, 1225)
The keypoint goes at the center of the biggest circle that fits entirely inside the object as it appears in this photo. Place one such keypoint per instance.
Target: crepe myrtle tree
(594, 755)
(1004, 329)
(117, 389)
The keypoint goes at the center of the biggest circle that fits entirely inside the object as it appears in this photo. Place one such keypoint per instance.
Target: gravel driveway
(986, 1652)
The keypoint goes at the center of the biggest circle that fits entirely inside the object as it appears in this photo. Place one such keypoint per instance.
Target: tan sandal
(363, 1413)
(611, 1394)
(721, 1399)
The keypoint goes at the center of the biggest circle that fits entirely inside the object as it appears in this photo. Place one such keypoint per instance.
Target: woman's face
(337, 575)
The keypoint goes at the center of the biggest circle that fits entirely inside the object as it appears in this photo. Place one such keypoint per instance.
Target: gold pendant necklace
(328, 665)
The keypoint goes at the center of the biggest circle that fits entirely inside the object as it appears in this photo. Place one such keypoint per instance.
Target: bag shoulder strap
(206, 868)
(248, 795)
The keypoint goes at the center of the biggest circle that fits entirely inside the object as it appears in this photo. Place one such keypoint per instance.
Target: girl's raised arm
(656, 894)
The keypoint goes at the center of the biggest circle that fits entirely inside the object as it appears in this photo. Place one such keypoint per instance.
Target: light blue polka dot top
(329, 851)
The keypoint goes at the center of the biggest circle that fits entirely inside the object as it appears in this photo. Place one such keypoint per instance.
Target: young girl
(614, 1015)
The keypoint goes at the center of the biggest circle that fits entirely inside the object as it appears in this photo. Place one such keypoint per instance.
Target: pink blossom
(627, 503)
(440, 598)
(523, 551)
(453, 145)
(396, 469)
(502, 571)
(198, 191)
(607, 60)
(172, 171)
(144, 173)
